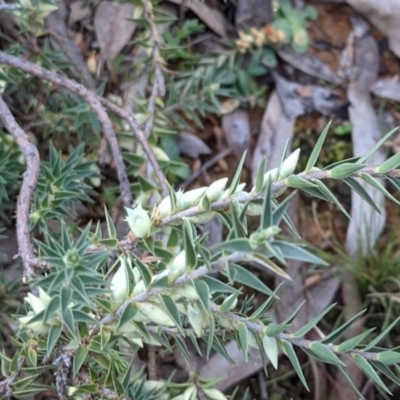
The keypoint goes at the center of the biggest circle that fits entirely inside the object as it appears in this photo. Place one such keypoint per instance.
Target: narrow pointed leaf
(330, 195)
(269, 264)
(210, 339)
(386, 371)
(190, 251)
(293, 316)
(204, 294)
(52, 338)
(247, 278)
(238, 173)
(241, 245)
(297, 182)
(243, 335)
(366, 367)
(376, 146)
(173, 312)
(266, 218)
(127, 315)
(341, 329)
(388, 357)
(344, 170)
(112, 232)
(294, 252)
(306, 328)
(271, 350)
(359, 189)
(280, 211)
(390, 164)
(79, 359)
(325, 354)
(260, 177)
(290, 353)
(317, 148)
(374, 183)
(353, 342)
(351, 383)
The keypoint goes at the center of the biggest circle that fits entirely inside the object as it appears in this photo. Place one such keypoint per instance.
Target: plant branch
(28, 186)
(141, 137)
(259, 328)
(93, 101)
(275, 187)
(182, 280)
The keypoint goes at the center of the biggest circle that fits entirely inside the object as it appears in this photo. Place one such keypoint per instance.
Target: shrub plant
(92, 297)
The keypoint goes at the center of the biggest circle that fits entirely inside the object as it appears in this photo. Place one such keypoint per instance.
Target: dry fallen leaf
(113, 30)
(309, 64)
(388, 88)
(236, 128)
(385, 15)
(191, 145)
(78, 10)
(229, 106)
(300, 99)
(211, 17)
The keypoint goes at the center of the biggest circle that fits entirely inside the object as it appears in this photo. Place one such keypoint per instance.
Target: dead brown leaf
(236, 128)
(113, 30)
(385, 15)
(78, 10)
(253, 13)
(211, 17)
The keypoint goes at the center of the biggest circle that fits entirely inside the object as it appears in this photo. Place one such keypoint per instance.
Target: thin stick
(208, 164)
(141, 137)
(96, 103)
(28, 186)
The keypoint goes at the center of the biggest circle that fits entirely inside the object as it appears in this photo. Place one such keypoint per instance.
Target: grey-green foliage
(168, 295)
(97, 300)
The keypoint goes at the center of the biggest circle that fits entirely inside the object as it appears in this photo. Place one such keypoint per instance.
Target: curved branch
(94, 102)
(28, 186)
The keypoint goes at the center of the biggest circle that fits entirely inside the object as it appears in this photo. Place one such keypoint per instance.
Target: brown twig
(141, 137)
(152, 363)
(208, 164)
(29, 181)
(94, 102)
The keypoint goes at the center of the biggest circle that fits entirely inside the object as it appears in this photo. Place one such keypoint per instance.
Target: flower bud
(178, 266)
(202, 218)
(239, 189)
(215, 190)
(289, 165)
(44, 297)
(245, 37)
(155, 313)
(164, 208)
(119, 285)
(214, 394)
(139, 288)
(139, 221)
(190, 393)
(37, 327)
(188, 292)
(254, 209)
(270, 175)
(259, 237)
(190, 198)
(196, 318)
(36, 303)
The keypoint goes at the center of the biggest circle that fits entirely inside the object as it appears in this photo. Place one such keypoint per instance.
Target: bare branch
(182, 280)
(94, 102)
(28, 186)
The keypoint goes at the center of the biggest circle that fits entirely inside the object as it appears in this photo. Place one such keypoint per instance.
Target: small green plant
(91, 298)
